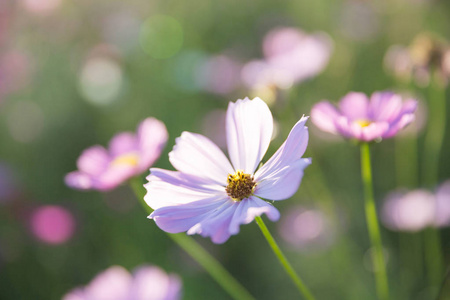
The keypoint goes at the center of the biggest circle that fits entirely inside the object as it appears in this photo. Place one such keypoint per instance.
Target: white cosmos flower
(210, 196)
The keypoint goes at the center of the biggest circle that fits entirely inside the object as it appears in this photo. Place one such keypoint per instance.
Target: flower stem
(373, 226)
(198, 253)
(432, 149)
(433, 256)
(284, 262)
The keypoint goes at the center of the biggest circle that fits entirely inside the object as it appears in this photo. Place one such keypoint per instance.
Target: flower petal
(151, 282)
(291, 150)
(195, 154)
(324, 115)
(184, 217)
(112, 284)
(168, 188)
(282, 183)
(151, 138)
(385, 106)
(249, 126)
(374, 131)
(250, 208)
(93, 161)
(78, 180)
(355, 106)
(122, 143)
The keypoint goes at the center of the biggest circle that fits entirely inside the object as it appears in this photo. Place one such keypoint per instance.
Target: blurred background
(74, 73)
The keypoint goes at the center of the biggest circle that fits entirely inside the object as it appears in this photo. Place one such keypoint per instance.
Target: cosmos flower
(290, 56)
(115, 283)
(418, 209)
(128, 155)
(210, 196)
(362, 119)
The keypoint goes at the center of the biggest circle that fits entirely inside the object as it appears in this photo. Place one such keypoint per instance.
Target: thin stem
(433, 256)
(432, 149)
(435, 131)
(373, 226)
(284, 262)
(198, 253)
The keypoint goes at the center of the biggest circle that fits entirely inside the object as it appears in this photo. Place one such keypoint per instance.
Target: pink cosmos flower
(366, 120)
(210, 196)
(115, 283)
(128, 155)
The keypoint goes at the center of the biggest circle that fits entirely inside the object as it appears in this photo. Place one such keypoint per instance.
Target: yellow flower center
(363, 122)
(129, 159)
(240, 185)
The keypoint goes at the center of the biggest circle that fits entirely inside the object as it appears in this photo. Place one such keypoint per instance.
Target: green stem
(284, 262)
(373, 226)
(432, 149)
(198, 253)
(435, 132)
(433, 256)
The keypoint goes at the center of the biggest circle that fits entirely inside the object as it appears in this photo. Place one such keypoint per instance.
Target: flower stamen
(363, 122)
(240, 185)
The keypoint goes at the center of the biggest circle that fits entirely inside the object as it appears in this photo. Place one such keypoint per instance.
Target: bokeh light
(52, 224)
(101, 80)
(161, 36)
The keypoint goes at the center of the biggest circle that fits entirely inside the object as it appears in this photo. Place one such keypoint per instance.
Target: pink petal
(112, 284)
(151, 138)
(324, 116)
(249, 128)
(384, 106)
(78, 180)
(93, 161)
(122, 143)
(152, 283)
(374, 131)
(354, 106)
(195, 154)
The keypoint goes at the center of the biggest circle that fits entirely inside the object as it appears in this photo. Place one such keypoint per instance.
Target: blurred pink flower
(417, 209)
(128, 155)
(52, 224)
(116, 283)
(306, 228)
(297, 54)
(366, 120)
(41, 7)
(218, 74)
(290, 56)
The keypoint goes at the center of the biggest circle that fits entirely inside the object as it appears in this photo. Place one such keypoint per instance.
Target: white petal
(249, 128)
(197, 155)
(282, 183)
(291, 150)
(248, 209)
(169, 188)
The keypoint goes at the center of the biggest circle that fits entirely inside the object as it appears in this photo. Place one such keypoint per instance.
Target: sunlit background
(74, 73)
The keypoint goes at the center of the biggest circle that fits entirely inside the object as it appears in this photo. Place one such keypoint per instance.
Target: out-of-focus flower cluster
(427, 55)
(418, 209)
(116, 283)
